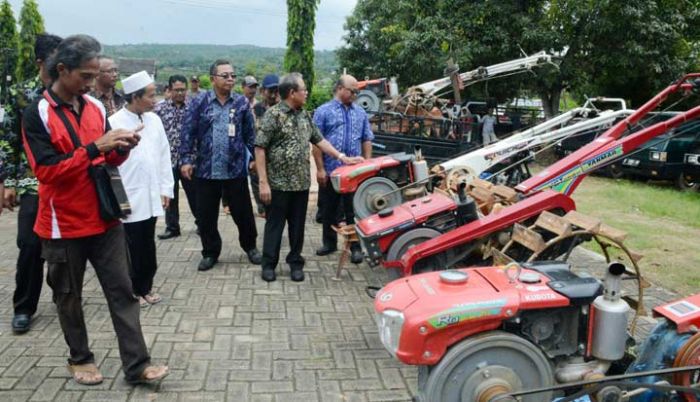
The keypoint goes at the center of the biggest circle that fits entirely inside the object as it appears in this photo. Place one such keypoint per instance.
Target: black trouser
(142, 254)
(331, 201)
(255, 185)
(107, 253)
(30, 265)
(321, 203)
(172, 213)
(209, 194)
(286, 207)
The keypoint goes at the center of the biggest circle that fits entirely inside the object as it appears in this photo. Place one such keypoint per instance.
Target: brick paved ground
(225, 333)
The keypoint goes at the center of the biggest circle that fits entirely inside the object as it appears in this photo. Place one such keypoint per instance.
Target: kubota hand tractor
(534, 332)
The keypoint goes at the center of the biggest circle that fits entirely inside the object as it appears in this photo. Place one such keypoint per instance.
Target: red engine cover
(347, 178)
(685, 313)
(440, 314)
(406, 215)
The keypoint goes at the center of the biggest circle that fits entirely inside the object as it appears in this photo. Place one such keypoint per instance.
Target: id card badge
(2, 114)
(231, 124)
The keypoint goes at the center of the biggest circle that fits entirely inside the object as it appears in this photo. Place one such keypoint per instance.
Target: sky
(217, 22)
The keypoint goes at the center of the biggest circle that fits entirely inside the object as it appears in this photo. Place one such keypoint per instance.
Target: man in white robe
(148, 180)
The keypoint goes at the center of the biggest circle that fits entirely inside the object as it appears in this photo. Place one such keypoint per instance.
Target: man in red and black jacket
(69, 221)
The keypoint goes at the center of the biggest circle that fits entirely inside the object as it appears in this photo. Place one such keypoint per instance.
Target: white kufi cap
(136, 81)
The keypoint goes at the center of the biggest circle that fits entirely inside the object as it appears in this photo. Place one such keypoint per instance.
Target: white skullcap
(136, 81)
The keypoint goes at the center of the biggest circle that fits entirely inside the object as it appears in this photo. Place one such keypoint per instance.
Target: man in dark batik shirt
(105, 84)
(172, 113)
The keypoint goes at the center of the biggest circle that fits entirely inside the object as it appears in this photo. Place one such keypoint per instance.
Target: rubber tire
(401, 245)
(683, 185)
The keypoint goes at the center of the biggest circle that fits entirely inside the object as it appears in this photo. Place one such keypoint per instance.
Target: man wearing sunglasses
(346, 126)
(217, 138)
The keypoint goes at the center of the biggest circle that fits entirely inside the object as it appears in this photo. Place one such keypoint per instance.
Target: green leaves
(301, 22)
(31, 23)
(8, 41)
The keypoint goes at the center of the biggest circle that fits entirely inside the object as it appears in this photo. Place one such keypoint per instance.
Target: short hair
(339, 83)
(288, 83)
(45, 44)
(72, 52)
(216, 64)
(104, 57)
(132, 96)
(176, 78)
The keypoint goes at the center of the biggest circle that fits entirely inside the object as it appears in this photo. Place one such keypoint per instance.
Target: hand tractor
(535, 332)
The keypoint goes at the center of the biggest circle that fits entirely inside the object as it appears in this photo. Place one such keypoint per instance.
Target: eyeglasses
(179, 90)
(110, 71)
(226, 75)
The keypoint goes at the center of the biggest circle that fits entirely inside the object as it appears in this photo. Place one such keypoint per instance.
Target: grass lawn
(662, 223)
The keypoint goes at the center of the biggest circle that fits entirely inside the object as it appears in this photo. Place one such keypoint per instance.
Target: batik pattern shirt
(202, 131)
(17, 173)
(172, 117)
(285, 134)
(112, 103)
(345, 127)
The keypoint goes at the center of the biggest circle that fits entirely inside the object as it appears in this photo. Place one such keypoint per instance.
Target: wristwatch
(340, 156)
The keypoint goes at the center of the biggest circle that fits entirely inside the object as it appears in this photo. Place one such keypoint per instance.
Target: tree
(301, 22)
(31, 24)
(8, 45)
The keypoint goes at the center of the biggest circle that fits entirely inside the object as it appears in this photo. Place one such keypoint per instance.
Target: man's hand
(119, 138)
(321, 177)
(165, 201)
(265, 193)
(251, 168)
(10, 199)
(186, 171)
(351, 160)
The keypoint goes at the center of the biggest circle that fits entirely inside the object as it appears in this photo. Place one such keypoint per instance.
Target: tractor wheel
(407, 240)
(375, 194)
(683, 184)
(487, 367)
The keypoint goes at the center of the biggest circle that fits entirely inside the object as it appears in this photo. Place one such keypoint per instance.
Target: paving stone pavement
(225, 333)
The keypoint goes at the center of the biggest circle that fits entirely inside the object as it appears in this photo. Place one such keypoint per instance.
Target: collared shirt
(17, 173)
(285, 134)
(192, 95)
(112, 102)
(172, 117)
(147, 174)
(206, 122)
(345, 127)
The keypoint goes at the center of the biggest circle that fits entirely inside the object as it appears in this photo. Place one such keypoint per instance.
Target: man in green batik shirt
(282, 161)
(21, 188)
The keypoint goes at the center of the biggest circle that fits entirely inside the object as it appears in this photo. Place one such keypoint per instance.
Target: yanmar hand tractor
(534, 221)
(385, 181)
(535, 332)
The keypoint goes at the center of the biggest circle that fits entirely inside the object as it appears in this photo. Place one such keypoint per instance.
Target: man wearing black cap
(194, 88)
(270, 97)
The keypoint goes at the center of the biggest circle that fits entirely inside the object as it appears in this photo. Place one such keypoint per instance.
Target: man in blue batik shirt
(346, 126)
(217, 137)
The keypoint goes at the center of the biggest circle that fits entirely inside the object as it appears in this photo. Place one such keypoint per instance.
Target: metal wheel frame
(363, 200)
(396, 249)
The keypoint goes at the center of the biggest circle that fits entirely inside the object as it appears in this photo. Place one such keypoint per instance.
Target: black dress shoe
(268, 275)
(254, 256)
(325, 250)
(297, 275)
(207, 263)
(168, 234)
(21, 323)
(356, 257)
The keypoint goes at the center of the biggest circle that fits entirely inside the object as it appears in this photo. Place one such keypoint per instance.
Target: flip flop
(78, 371)
(153, 298)
(143, 378)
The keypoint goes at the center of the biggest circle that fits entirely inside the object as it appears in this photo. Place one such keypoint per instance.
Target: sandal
(142, 302)
(85, 374)
(150, 375)
(153, 298)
